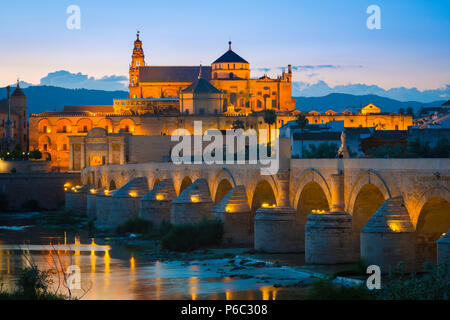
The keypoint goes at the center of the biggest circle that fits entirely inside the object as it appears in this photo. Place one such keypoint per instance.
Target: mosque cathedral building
(165, 98)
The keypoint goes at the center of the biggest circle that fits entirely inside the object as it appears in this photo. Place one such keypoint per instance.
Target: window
(85, 129)
(45, 147)
(274, 103)
(202, 111)
(396, 127)
(64, 129)
(127, 128)
(64, 147)
(215, 75)
(44, 128)
(231, 75)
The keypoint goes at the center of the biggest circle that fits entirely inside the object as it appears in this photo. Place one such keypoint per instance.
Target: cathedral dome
(230, 57)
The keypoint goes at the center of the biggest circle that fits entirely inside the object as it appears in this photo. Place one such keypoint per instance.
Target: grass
(358, 269)
(327, 290)
(135, 225)
(62, 216)
(31, 284)
(188, 237)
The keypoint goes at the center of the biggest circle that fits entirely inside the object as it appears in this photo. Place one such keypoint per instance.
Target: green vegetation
(358, 269)
(322, 151)
(19, 155)
(135, 225)
(387, 151)
(62, 216)
(433, 284)
(416, 149)
(30, 205)
(3, 201)
(327, 290)
(31, 284)
(188, 237)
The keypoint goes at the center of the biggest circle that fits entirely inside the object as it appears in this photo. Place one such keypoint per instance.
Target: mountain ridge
(50, 98)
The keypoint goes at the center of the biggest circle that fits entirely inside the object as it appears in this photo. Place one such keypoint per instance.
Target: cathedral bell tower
(137, 60)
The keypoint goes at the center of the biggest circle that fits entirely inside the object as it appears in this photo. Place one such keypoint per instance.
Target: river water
(118, 272)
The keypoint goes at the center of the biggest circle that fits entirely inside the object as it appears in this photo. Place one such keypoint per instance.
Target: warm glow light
(318, 211)
(195, 199)
(93, 191)
(159, 197)
(265, 205)
(228, 209)
(49, 130)
(133, 194)
(395, 226)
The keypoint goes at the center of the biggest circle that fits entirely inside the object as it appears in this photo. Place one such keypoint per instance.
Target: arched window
(215, 75)
(231, 75)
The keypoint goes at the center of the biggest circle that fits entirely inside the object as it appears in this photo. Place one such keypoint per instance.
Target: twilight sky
(327, 39)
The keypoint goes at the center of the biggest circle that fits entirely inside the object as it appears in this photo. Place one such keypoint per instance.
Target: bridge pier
(329, 238)
(76, 198)
(233, 210)
(443, 249)
(389, 237)
(103, 205)
(91, 202)
(275, 230)
(193, 204)
(125, 201)
(155, 204)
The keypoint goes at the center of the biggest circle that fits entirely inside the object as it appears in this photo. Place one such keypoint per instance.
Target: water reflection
(117, 272)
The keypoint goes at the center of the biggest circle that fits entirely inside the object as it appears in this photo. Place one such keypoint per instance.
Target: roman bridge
(357, 186)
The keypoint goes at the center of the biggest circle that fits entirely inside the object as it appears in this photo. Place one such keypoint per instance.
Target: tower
(19, 107)
(137, 60)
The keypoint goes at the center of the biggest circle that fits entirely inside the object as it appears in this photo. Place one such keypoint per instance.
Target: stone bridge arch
(307, 176)
(431, 218)
(368, 177)
(222, 183)
(258, 180)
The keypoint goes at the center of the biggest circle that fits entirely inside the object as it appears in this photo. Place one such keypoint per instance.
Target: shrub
(135, 225)
(30, 205)
(188, 237)
(359, 268)
(3, 201)
(433, 284)
(327, 290)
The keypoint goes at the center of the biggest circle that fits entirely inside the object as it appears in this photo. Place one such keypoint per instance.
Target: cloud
(66, 79)
(321, 88)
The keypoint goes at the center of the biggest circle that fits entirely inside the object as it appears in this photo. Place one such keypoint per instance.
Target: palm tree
(301, 123)
(270, 118)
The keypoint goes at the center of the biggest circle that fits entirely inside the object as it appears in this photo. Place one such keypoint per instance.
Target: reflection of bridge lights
(133, 194)
(195, 199)
(267, 205)
(318, 211)
(93, 191)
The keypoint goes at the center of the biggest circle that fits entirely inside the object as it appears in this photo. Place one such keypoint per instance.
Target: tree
(238, 124)
(409, 111)
(401, 111)
(270, 118)
(324, 150)
(301, 123)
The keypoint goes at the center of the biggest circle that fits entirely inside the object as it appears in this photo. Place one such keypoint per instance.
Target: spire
(200, 71)
(137, 35)
(229, 45)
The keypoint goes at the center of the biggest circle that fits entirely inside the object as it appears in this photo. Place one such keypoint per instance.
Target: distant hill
(341, 101)
(48, 98)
